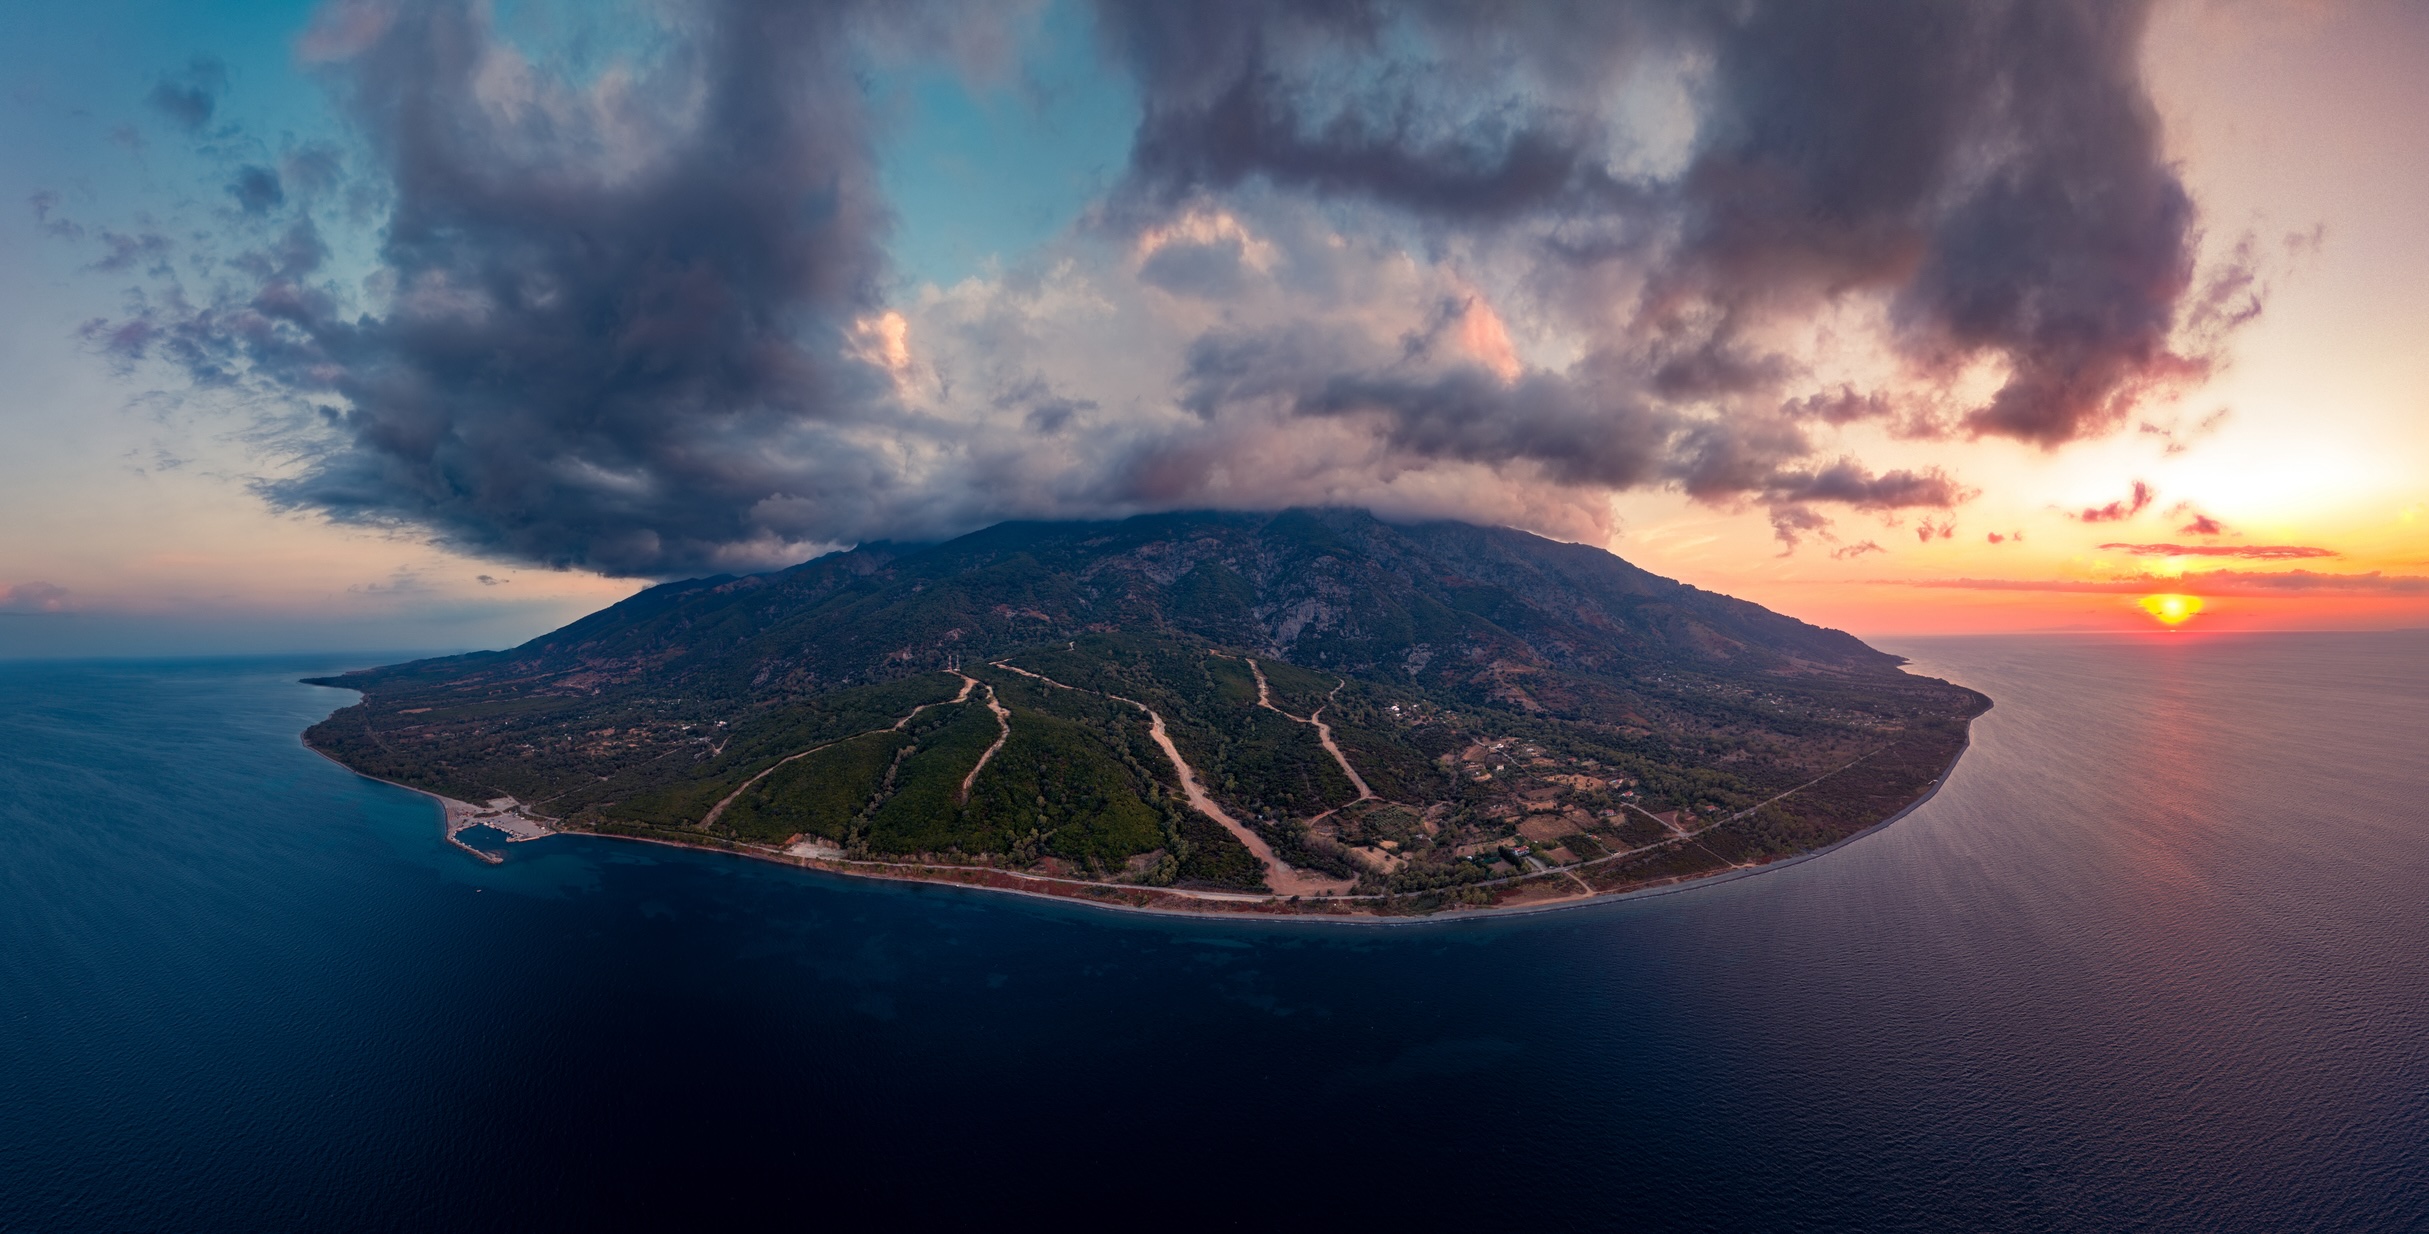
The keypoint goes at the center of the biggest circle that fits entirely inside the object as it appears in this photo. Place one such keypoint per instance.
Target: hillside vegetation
(1513, 705)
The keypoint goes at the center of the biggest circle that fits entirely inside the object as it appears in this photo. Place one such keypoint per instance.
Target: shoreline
(457, 817)
(1254, 907)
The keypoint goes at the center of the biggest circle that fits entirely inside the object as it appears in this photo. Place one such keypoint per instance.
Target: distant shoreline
(1252, 906)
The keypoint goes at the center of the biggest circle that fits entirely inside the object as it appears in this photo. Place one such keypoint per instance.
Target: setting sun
(2172, 609)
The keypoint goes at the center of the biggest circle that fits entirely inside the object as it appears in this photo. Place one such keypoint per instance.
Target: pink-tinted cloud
(2179, 438)
(2119, 511)
(33, 597)
(2252, 552)
(1791, 523)
(2212, 582)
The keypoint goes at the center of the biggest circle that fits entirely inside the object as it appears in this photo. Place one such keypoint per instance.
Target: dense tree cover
(1296, 690)
(1300, 845)
(824, 793)
(1212, 858)
(1062, 790)
(922, 813)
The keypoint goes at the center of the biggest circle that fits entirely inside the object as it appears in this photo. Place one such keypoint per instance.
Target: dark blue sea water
(2157, 958)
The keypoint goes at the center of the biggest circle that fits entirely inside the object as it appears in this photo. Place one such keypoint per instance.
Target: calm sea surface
(2157, 958)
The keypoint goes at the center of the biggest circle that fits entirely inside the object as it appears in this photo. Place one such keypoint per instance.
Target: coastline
(457, 817)
(1133, 898)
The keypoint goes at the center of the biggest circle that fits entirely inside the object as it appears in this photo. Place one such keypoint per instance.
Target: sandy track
(967, 683)
(1324, 732)
(1284, 878)
(1003, 725)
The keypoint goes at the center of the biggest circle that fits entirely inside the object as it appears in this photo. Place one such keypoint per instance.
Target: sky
(390, 324)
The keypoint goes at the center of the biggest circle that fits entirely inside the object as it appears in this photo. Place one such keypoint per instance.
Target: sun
(2172, 609)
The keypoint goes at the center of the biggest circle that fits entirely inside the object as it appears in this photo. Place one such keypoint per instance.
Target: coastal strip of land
(1538, 892)
(1293, 893)
(1235, 906)
(504, 815)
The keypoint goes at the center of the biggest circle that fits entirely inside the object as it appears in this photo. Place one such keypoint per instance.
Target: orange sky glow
(2287, 490)
(2325, 444)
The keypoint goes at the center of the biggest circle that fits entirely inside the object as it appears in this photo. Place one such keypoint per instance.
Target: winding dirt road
(1324, 732)
(967, 684)
(1284, 878)
(1003, 724)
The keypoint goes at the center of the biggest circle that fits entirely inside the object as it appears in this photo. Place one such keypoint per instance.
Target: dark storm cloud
(1994, 169)
(1847, 482)
(311, 170)
(635, 322)
(1792, 523)
(257, 190)
(189, 98)
(1577, 433)
(1214, 271)
(1763, 459)
(1592, 426)
(1253, 89)
(1845, 406)
(609, 316)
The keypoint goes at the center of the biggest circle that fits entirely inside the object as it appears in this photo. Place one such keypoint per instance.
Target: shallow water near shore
(2157, 957)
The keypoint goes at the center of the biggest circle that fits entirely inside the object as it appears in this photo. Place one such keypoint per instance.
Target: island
(1308, 712)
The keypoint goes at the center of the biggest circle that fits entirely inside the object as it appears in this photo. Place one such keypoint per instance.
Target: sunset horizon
(1460, 614)
(1848, 451)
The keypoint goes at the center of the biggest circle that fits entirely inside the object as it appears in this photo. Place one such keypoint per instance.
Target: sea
(2155, 958)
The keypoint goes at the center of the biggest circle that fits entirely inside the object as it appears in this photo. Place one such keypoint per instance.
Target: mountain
(1314, 703)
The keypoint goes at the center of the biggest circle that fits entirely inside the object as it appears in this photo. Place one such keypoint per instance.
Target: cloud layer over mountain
(1434, 258)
